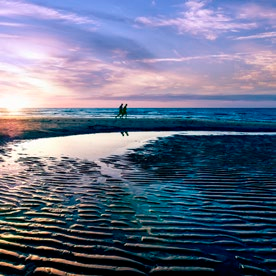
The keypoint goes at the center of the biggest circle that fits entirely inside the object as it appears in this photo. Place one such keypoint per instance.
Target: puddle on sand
(90, 147)
(100, 145)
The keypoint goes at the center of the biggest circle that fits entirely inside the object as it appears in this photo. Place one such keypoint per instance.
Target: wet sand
(35, 127)
(176, 206)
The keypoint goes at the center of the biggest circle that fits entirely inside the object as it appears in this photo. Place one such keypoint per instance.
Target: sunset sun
(14, 103)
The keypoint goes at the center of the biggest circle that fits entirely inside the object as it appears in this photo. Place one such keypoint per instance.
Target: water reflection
(124, 133)
(96, 146)
(89, 146)
(11, 112)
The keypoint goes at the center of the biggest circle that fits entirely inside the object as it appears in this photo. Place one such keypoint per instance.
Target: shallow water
(100, 145)
(88, 146)
(178, 204)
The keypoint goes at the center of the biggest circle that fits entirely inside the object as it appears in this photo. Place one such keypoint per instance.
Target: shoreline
(13, 128)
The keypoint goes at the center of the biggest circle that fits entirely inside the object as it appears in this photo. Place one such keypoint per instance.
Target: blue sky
(149, 53)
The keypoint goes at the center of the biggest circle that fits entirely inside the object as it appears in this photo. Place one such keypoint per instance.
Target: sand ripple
(179, 206)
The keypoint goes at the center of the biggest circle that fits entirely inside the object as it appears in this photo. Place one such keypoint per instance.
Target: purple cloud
(197, 19)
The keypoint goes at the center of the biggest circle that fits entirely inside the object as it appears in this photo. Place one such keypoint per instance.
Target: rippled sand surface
(177, 206)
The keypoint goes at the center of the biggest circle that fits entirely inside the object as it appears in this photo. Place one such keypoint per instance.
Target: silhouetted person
(124, 111)
(120, 113)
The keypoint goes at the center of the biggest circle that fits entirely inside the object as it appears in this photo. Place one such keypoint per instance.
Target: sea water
(220, 114)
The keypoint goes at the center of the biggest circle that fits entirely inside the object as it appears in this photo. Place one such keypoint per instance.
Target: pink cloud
(197, 19)
(256, 12)
(257, 36)
(16, 8)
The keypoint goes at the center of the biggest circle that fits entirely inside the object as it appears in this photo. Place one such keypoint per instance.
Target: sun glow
(13, 104)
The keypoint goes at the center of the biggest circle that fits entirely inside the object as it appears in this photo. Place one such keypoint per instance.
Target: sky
(148, 53)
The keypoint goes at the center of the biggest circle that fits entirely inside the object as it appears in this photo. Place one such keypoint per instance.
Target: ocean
(232, 114)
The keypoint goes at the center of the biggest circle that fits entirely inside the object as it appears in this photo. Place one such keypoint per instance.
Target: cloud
(52, 54)
(197, 19)
(20, 8)
(47, 25)
(214, 57)
(47, 58)
(191, 97)
(101, 80)
(264, 60)
(258, 12)
(76, 72)
(243, 71)
(257, 36)
(90, 79)
(11, 24)
(260, 72)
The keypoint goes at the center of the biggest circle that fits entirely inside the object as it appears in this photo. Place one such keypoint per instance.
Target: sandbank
(38, 127)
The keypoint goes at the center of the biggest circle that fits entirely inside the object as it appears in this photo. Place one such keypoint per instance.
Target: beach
(16, 127)
(184, 203)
